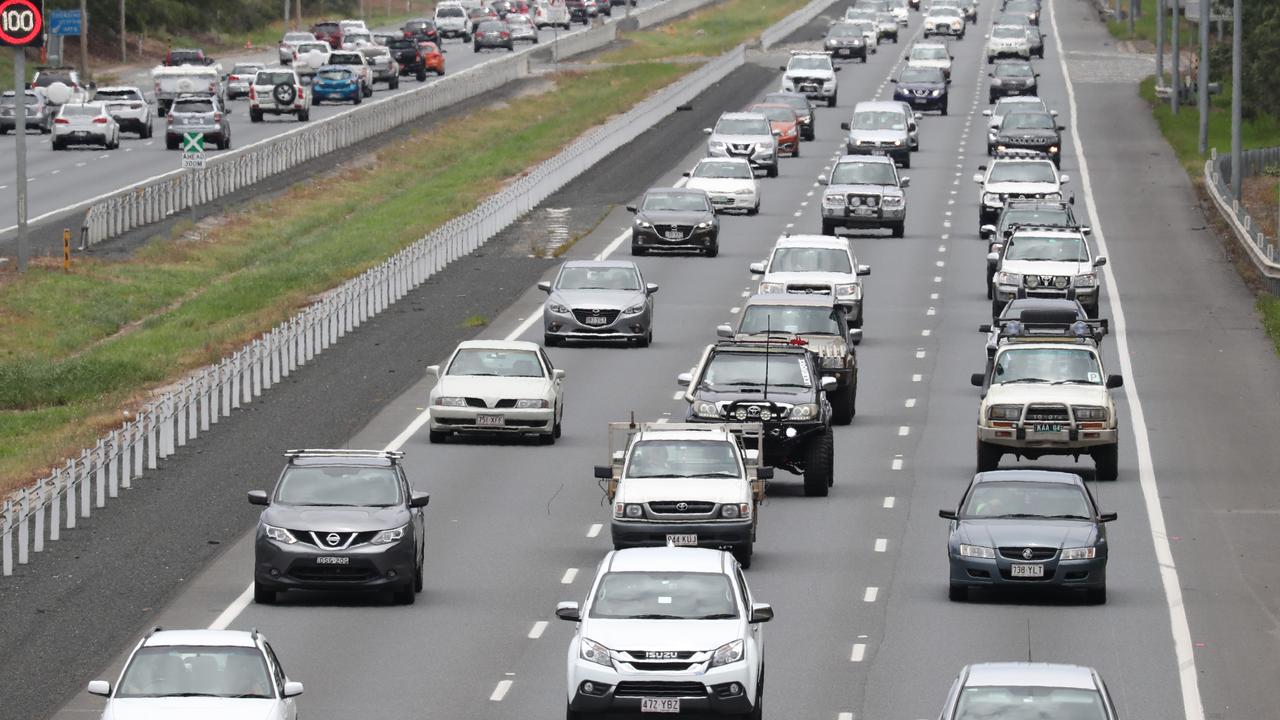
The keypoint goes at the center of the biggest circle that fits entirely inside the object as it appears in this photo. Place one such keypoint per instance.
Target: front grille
(347, 573)
(662, 666)
(680, 655)
(332, 540)
(922, 93)
(608, 315)
(476, 402)
(855, 200)
(505, 403)
(1019, 553)
(670, 507)
(808, 289)
(740, 148)
(634, 688)
(1047, 413)
(669, 232)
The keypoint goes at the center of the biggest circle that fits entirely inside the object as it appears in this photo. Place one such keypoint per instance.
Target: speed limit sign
(21, 23)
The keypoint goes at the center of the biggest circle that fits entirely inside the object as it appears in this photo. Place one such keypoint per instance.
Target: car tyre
(818, 473)
(304, 116)
(773, 169)
(358, 99)
(712, 251)
(435, 437)
(404, 595)
(991, 99)
(843, 404)
(988, 456)
(828, 228)
(394, 84)
(255, 115)
(637, 251)
(263, 596)
(831, 101)
(547, 438)
(899, 229)
(170, 143)
(550, 340)
(1106, 459)
(957, 592)
(558, 429)
(1097, 596)
(571, 714)
(755, 210)
(417, 574)
(906, 159)
(645, 340)
(944, 109)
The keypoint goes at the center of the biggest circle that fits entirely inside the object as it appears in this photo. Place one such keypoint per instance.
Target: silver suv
(198, 113)
(39, 113)
(864, 192)
(747, 135)
(812, 74)
(880, 128)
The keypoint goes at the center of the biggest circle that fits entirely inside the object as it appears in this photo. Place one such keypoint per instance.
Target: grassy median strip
(710, 31)
(76, 348)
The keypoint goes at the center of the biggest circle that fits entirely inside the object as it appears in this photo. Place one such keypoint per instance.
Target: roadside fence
(1262, 250)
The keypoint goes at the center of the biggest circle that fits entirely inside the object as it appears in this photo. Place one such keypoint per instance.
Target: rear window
(451, 12)
(492, 26)
(245, 69)
(402, 44)
(81, 111)
(45, 79)
(109, 95)
(345, 58)
(193, 106)
(335, 75)
(326, 27)
(273, 78)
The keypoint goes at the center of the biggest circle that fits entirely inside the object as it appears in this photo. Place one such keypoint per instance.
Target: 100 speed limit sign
(21, 23)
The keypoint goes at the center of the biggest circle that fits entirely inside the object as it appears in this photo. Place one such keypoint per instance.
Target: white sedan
(498, 386)
(729, 182)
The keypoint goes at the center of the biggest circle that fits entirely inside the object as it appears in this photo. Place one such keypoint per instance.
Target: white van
(550, 13)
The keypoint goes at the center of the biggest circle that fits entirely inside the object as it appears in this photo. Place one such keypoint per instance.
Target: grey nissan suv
(340, 520)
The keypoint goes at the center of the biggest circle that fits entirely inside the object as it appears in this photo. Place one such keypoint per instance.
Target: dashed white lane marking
(735, 310)
(931, 311)
(919, 354)
(926, 332)
(942, 248)
(79, 164)
(569, 575)
(844, 716)
(804, 204)
(904, 430)
(659, 421)
(933, 296)
(859, 652)
(870, 594)
(594, 530)
(947, 213)
(917, 377)
(679, 394)
(104, 156)
(911, 402)
(789, 226)
(809, 194)
(500, 691)
(4, 187)
(746, 293)
(54, 172)
(128, 149)
(881, 544)
(889, 502)
(945, 236)
(937, 278)
(537, 630)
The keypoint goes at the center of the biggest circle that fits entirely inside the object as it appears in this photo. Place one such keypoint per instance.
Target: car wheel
(358, 99)
(645, 340)
(1097, 596)
(170, 143)
(818, 473)
(831, 101)
(712, 251)
(404, 595)
(394, 84)
(957, 592)
(304, 116)
(944, 109)
(547, 438)
(263, 596)
(796, 153)
(988, 456)
(773, 169)
(558, 430)
(899, 229)
(417, 575)
(996, 307)
(842, 404)
(636, 250)
(1091, 310)
(435, 437)
(906, 160)
(828, 228)
(466, 38)
(991, 99)
(421, 75)
(149, 131)
(570, 714)
(990, 291)
(475, 47)
(255, 115)
(754, 210)
(550, 340)
(1106, 459)
(743, 556)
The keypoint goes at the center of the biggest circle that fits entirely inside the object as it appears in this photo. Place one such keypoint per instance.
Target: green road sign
(193, 142)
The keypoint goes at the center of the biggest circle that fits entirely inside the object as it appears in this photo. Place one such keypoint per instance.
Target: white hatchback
(500, 386)
(667, 630)
(729, 182)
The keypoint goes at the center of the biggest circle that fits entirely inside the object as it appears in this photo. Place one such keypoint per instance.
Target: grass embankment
(1269, 309)
(1144, 26)
(76, 348)
(1182, 131)
(707, 32)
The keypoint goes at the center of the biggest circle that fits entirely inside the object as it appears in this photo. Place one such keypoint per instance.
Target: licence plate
(673, 235)
(490, 420)
(1046, 427)
(660, 705)
(331, 560)
(597, 320)
(682, 540)
(1027, 571)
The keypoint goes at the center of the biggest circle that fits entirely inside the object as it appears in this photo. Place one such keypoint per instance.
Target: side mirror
(757, 268)
(984, 328)
(948, 81)
(1053, 113)
(986, 230)
(1064, 178)
(822, 180)
(977, 177)
(987, 113)
(433, 371)
(557, 374)
(991, 74)
(993, 257)
(1114, 381)
(1100, 261)
(258, 497)
(1061, 128)
(604, 472)
(1071, 200)
(706, 131)
(844, 126)
(569, 611)
(837, 68)
(947, 514)
(419, 500)
(783, 68)
(1108, 517)
(684, 174)
(631, 208)
(829, 383)
(99, 687)
(761, 613)
(724, 331)
(1086, 230)
(545, 286)
(918, 116)
(893, 80)
(977, 379)
(292, 688)
(764, 473)
(777, 132)
(684, 379)
(650, 288)
(904, 182)
(855, 336)
(1037, 74)
(864, 270)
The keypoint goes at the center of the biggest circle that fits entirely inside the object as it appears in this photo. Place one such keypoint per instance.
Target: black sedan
(845, 40)
(1037, 131)
(1012, 77)
(923, 88)
(1028, 529)
(493, 35)
(670, 219)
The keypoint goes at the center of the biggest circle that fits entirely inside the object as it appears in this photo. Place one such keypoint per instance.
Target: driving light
(389, 536)
(592, 651)
(633, 511)
(530, 404)
(279, 534)
(727, 653)
(451, 402)
(790, 432)
(1053, 149)
(804, 411)
(1004, 412)
(1081, 553)
(705, 409)
(977, 551)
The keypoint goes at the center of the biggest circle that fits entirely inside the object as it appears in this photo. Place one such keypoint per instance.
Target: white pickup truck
(685, 484)
(171, 82)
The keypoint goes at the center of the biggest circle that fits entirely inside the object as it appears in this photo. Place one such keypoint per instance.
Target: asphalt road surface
(858, 580)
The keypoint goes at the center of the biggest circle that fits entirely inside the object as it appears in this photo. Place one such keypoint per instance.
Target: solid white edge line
(500, 691)
(537, 630)
(1180, 628)
(228, 616)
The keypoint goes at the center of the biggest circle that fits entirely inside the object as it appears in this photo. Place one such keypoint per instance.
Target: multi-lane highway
(858, 580)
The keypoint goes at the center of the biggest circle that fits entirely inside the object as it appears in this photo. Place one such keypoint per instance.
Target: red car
(330, 32)
(432, 58)
(785, 123)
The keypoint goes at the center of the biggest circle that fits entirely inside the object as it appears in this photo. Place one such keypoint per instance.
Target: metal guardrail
(773, 35)
(1261, 249)
(37, 514)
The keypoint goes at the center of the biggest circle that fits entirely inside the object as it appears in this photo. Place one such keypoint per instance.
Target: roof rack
(775, 341)
(1032, 227)
(392, 455)
(811, 52)
(1039, 325)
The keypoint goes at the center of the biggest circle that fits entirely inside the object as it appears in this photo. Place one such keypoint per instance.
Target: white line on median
(859, 652)
(889, 502)
(911, 402)
(223, 621)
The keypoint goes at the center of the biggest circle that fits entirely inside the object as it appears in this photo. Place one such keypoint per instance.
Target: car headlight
(804, 411)
(733, 510)
(278, 534)
(728, 653)
(832, 361)
(451, 402)
(1089, 413)
(744, 191)
(771, 287)
(642, 224)
(1004, 412)
(1052, 196)
(705, 409)
(1081, 553)
(1008, 278)
(990, 199)
(833, 200)
(592, 651)
(897, 143)
(1086, 280)
(715, 145)
(847, 289)
(767, 145)
(389, 536)
(893, 200)
(977, 551)
(704, 224)
(937, 93)
(557, 308)
(633, 511)
(828, 84)
(530, 404)
(634, 310)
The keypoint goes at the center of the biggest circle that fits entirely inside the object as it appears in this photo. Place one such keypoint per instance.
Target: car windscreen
(1013, 19)
(313, 47)
(357, 37)
(809, 62)
(1014, 171)
(856, 13)
(683, 458)
(879, 120)
(416, 25)
(928, 53)
(1020, 70)
(723, 169)
(451, 12)
(514, 19)
(798, 102)
(918, 74)
(863, 173)
(326, 27)
(809, 259)
(998, 499)
(776, 114)
(339, 485)
(793, 319)
(1020, 6)
(193, 106)
(728, 370)
(664, 596)
(992, 703)
(81, 111)
(845, 30)
(1029, 121)
(8, 100)
(947, 12)
(1067, 366)
(1009, 32)
(1013, 217)
(743, 126)
(298, 37)
(674, 202)
(495, 362)
(346, 59)
(196, 671)
(1053, 248)
(335, 74)
(273, 78)
(598, 278)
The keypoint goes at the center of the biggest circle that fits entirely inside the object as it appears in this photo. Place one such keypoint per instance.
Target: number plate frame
(1026, 570)
(660, 705)
(682, 540)
(491, 420)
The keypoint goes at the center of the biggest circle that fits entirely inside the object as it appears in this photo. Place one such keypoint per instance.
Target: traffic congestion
(767, 421)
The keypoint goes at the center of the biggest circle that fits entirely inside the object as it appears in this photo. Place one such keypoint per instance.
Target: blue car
(334, 82)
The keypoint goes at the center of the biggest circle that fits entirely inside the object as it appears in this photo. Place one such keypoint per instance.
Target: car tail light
(504, 34)
(100, 120)
(217, 117)
(62, 121)
(253, 94)
(479, 34)
(213, 87)
(408, 34)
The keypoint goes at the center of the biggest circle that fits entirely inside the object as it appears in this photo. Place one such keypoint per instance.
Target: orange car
(432, 58)
(786, 126)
